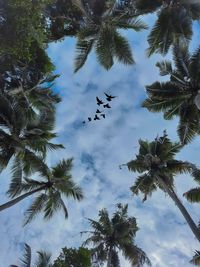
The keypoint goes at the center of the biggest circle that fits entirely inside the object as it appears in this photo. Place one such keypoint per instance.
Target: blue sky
(98, 149)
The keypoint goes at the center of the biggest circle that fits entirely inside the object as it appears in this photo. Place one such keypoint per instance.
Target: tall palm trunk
(18, 199)
(109, 262)
(182, 209)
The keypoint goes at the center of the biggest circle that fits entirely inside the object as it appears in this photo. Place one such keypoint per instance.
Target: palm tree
(116, 234)
(155, 161)
(55, 182)
(180, 96)
(23, 138)
(34, 92)
(174, 22)
(43, 260)
(196, 258)
(99, 30)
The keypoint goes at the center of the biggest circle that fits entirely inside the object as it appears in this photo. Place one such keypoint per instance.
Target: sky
(98, 148)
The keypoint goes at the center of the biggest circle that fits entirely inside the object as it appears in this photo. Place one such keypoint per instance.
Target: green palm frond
(165, 67)
(83, 49)
(105, 47)
(44, 259)
(17, 173)
(135, 255)
(26, 260)
(122, 49)
(193, 195)
(187, 130)
(63, 168)
(132, 23)
(144, 184)
(181, 59)
(35, 208)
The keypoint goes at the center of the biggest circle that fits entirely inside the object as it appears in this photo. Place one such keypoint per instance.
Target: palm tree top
(157, 159)
(99, 30)
(43, 260)
(54, 183)
(179, 96)
(109, 235)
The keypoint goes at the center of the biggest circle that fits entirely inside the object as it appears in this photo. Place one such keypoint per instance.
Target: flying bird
(96, 118)
(107, 106)
(99, 102)
(109, 97)
(89, 119)
(103, 115)
(83, 122)
(98, 111)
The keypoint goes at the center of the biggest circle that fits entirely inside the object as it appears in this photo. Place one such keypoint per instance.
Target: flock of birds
(100, 114)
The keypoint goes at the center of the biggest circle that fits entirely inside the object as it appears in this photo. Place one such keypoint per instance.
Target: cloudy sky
(98, 149)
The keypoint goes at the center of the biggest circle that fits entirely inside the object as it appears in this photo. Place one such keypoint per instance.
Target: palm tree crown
(55, 183)
(110, 235)
(43, 260)
(158, 167)
(174, 23)
(180, 96)
(99, 30)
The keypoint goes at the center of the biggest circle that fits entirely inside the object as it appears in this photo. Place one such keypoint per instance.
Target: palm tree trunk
(18, 199)
(109, 262)
(182, 209)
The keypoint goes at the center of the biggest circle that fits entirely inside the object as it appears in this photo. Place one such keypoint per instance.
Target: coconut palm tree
(196, 258)
(173, 24)
(157, 166)
(180, 95)
(99, 31)
(23, 138)
(35, 92)
(55, 182)
(111, 235)
(43, 260)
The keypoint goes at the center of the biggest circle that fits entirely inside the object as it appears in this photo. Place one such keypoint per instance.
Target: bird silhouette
(89, 119)
(103, 115)
(109, 97)
(98, 111)
(83, 122)
(107, 106)
(96, 118)
(99, 102)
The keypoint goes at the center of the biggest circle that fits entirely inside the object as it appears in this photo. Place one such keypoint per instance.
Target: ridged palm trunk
(182, 209)
(109, 262)
(18, 199)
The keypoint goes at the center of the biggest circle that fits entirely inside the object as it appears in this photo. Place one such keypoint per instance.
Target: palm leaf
(193, 195)
(83, 49)
(122, 49)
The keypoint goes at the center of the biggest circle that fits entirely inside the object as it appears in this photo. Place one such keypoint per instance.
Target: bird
(109, 97)
(96, 118)
(107, 106)
(98, 111)
(99, 102)
(83, 122)
(89, 119)
(103, 115)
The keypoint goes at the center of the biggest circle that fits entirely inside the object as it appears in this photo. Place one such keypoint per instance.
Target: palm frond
(44, 259)
(26, 260)
(122, 49)
(193, 195)
(83, 49)
(35, 208)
